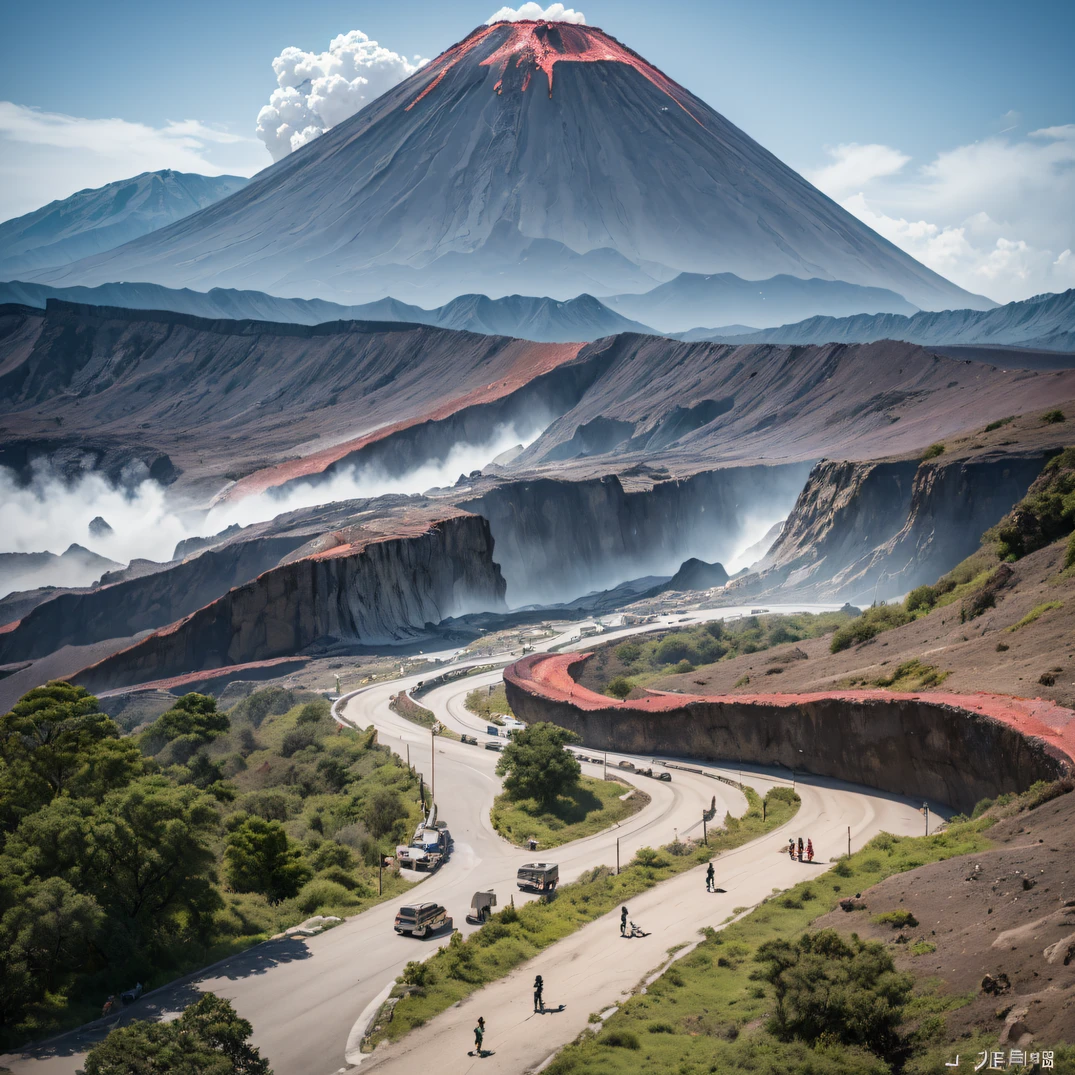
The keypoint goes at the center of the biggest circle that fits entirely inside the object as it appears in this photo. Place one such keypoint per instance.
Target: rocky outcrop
(141, 603)
(376, 590)
(944, 748)
(556, 539)
(870, 531)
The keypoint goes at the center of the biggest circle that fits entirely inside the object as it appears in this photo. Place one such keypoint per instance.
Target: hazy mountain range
(93, 221)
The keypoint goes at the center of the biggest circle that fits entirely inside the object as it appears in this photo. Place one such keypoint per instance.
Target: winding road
(310, 999)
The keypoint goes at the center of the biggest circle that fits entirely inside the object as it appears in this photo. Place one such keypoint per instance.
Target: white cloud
(535, 12)
(317, 90)
(994, 216)
(854, 165)
(49, 155)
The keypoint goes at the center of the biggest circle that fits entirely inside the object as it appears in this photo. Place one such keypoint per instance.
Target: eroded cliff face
(143, 603)
(384, 591)
(870, 531)
(908, 746)
(556, 540)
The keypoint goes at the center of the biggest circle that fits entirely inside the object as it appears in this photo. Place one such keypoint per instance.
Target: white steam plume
(317, 90)
(50, 514)
(530, 10)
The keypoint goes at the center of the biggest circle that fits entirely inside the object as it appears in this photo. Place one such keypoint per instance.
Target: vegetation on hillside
(1046, 514)
(616, 669)
(137, 858)
(535, 765)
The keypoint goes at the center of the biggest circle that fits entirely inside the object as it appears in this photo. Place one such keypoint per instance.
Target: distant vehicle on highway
(472, 740)
(494, 746)
(538, 876)
(420, 919)
(427, 850)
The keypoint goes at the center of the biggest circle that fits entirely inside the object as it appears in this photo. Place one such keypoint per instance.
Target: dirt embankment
(998, 926)
(931, 746)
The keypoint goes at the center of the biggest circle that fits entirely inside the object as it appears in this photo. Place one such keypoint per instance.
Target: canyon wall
(383, 591)
(870, 531)
(556, 540)
(911, 745)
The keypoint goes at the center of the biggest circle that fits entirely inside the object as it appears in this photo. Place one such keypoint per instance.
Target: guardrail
(450, 677)
(703, 772)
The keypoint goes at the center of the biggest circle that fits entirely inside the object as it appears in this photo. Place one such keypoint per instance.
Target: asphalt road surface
(309, 999)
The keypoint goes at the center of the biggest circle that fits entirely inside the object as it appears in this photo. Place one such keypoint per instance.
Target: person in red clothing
(809, 850)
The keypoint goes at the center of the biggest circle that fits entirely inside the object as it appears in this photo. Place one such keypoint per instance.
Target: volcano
(531, 157)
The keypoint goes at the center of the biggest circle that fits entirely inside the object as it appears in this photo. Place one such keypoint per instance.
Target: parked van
(538, 876)
(418, 919)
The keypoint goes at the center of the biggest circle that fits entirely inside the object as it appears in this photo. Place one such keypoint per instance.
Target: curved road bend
(287, 988)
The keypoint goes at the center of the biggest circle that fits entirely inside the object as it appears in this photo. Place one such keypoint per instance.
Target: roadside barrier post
(617, 856)
(848, 841)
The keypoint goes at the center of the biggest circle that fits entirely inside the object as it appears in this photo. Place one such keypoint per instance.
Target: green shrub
(619, 687)
(896, 919)
(321, 893)
(620, 1039)
(921, 597)
(871, 623)
(1052, 417)
(933, 451)
(999, 423)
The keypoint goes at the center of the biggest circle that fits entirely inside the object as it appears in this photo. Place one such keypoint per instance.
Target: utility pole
(606, 774)
(433, 764)
(925, 810)
(705, 837)
(617, 856)
(848, 841)
(408, 755)
(380, 875)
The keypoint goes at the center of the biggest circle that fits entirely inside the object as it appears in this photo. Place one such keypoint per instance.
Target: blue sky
(923, 118)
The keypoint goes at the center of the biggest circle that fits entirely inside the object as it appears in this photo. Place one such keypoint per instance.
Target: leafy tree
(619, 687)
(383, 809)
(629, 652)
(261, 858)
(677, 647)
(209, 1038)
(194, 717)
(55, 741)
(831, 989)
(536, 766)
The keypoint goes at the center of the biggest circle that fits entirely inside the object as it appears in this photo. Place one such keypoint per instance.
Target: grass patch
(720, 1001)
(1035, 614)
(515, 935)
(592, 806)
(912, 675)
(490, 705)
(933, 451)
(1000, 423)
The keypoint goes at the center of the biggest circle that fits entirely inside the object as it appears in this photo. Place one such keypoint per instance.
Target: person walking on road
(709, 874)
(791, 848)
(800, 849)
(479, 1034)
(539, 1000)
(809, 850)
(623, 921)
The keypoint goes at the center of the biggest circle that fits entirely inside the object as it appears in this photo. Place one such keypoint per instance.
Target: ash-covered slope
(530, 157)
(724, 298)
(527, 317)
(102, 218)
(221, 398)
(1046, 322)
(764, 402)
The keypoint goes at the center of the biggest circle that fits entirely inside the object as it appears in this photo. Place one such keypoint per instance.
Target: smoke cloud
(317, 90)
(530, 10)
(50, 514)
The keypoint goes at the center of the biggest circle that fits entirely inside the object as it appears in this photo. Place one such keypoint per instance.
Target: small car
(494, 746)
(420, 919)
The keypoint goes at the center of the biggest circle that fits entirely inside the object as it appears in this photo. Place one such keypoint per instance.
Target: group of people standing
(808, 851)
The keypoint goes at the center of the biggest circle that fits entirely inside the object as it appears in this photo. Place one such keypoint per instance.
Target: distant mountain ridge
(721, 298)
(96, 220)
(543, 320)
(1045, 322)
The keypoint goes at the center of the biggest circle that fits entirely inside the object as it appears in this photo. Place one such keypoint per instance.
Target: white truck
(427, 850)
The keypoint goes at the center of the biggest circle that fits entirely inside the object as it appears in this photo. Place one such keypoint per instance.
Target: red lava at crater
(541, 45)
